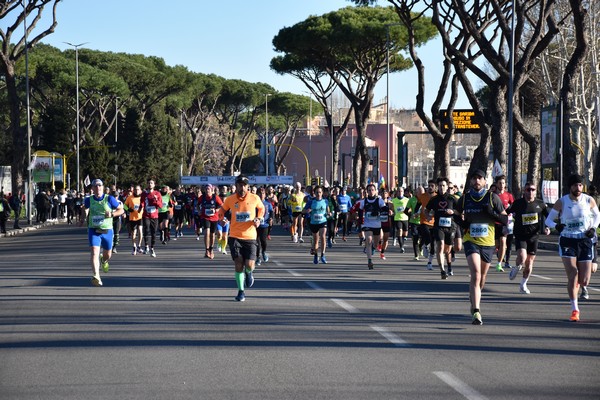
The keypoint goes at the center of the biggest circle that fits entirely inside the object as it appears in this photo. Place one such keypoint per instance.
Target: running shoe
(523, 288)
(312, 251)
(323, 259)
(197, 237)
(152, 253)
(574, 316)
(329, 243)
(104, 265)
(453, 257)
(265, 257)
(395, 243)
(300, 240)
(585, 295)
(96, 281)
(134, 251)
(416, 258)
(499, 267)
(507, 266)
(295, 238)
(444, 275)
(147, 250)
(370, 264)
(249, 279)
(258, 262)
(315, 259)
(114, 250)
(361, 241)
(477, 320)
(514, 271)
(429, 266)
(450, 272)
(382, 256)
(240, 296)
(402, 250)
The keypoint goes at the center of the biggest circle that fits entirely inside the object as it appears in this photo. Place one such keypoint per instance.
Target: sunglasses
(530, 189)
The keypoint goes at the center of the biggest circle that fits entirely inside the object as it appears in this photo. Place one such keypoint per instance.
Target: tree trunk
(19, 135)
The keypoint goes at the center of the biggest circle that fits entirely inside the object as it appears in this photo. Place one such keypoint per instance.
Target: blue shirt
(344, 203)
(268, 214)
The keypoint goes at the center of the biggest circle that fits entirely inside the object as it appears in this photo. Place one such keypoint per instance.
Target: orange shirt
(424, 200)
(243, 212)
(133, 205)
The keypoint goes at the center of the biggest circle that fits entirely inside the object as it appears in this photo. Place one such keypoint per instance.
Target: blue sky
(228, 38)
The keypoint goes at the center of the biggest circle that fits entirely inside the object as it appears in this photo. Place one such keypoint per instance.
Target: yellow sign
(465, 121)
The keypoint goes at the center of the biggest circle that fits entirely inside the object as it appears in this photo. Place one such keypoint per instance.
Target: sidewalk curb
(15, 232)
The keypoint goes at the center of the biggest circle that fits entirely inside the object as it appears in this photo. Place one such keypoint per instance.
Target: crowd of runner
(485, 221)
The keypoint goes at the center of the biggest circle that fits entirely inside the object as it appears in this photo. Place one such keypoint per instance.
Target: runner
(579, 217)
(414, 220)
(332, 219)
(100, 209)
(317, 210)
(209, 204)
(152, 201)
(426, 222)
(441, 207)
(345, 204)
(372, 206)
(178, 212)
(504, 237)
(164, 214)
(528, 213)
(296, 203)
(272, 198)
(399, 203)
(263, 229)
(247, 211)
(480, 209)
(133, 206)
(386, 224)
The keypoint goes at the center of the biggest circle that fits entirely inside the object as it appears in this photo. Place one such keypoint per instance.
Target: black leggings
(150, 226)
(261, 240)
(343, 221)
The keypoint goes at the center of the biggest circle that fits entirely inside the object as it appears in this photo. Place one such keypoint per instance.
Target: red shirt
(152, 201)
(209, 207)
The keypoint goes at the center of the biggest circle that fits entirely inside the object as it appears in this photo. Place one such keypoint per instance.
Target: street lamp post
(267, 133)
(76, 46)
(387, 101)
(29, 171)
(509, 161)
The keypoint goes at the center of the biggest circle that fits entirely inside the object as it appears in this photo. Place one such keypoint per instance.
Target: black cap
(242, 179)
(478, 172)
(574, 179)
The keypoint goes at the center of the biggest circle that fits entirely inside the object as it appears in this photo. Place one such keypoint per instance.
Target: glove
(559, 227)
(590, 233)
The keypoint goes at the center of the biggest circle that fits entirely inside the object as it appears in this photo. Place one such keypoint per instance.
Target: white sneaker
(301, 240)
(152, 253)
(395, 243)
(295, 239)
(514, 271)
(524, 289)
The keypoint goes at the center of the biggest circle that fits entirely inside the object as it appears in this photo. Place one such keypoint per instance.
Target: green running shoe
(477, 318)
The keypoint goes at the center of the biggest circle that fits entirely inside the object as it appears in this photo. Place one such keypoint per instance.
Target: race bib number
(399, 209)
(150, 209)
(178, 206)
(343, 208)
(136, 207)
(242, 216)
(529, 219)
(445, 222)
(479, 230)
(97, 220)
(164, 204)
(575, 224)
(371, 217)
(209, 212)
(319, 217)
(383, 217)
(298, 208)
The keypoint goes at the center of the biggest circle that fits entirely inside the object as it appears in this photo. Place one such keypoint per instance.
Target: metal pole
(29, 171)
(267, 134)
(387, 103)
(510, 163)
(77, 46)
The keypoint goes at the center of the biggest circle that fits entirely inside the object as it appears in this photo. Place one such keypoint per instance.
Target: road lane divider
(467, 391)
(351, 309)
(391, 337)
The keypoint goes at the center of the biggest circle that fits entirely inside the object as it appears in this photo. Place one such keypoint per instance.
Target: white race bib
(297, 208)
(178, 206)
(576, 224)
(445, 222)
(209, 212)
(242, 216)
(479, 230)
(97, 220)
(150, 209)
(343, 208)
(529, 219)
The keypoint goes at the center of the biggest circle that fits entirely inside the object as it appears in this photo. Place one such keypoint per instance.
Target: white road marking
(594, 289)
(314, 285)
(458, 385)
(345, 306)
(293, 273)
(542, 277)
(391, 337)
(278, 263)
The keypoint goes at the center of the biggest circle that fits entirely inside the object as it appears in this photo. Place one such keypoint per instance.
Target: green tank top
(166, 199)
(97, 218)
(399, 207)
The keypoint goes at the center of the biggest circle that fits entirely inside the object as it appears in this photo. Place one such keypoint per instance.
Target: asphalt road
(169, 328)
